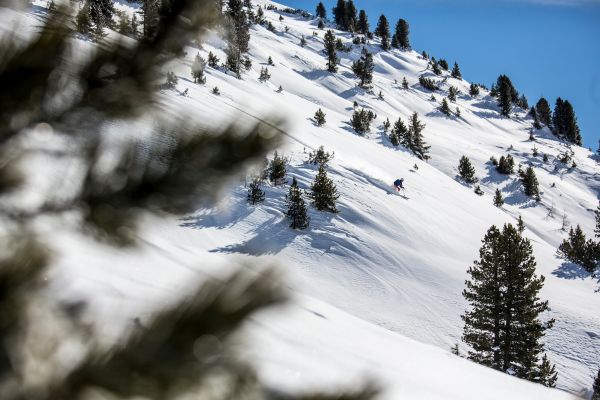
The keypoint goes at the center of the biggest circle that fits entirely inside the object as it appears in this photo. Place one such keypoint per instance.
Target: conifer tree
(320, 117)
(361, 120)
(565, 122)
(297, 211)
(400, 134)
(452, 92)
(83, 24)
(435, 67)
(444, 107)
(386, 125)
(332, 58)
(474, 90)
(544, 113)
(530, 183)
(323, 192)
(238, 35)
(502, 325)
(383, 31)
(520, 225)
(264, 74)
(456, 71)
(546, 373)
(320, 156)
(339, 13)
(443, 64)
(478, 190)
(401, 34)
(536, 121)
(213, 60)
(321, 11)
(350, 16)
(277, 169)
(198, 69)
(415, 133)
(363, 68)
(597, 215)
(404, 83)
(302, 41)
(522, 102)
(101, 12)
(504, 97)
(579, 250)
(498, 199)
(362, 25)
(596, 387)
(466, 170)
(255, 193)
(506, 165)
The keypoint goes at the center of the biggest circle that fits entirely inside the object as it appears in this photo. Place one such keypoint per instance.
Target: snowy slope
(386, 268)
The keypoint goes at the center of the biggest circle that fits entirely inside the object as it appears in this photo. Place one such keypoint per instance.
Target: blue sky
(548, 48)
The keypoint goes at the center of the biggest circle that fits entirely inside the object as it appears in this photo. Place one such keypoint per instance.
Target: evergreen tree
(238, 35)
(101, 12)
(383, 31)
(320, 117)
(255, 193)
(400, 134)
(150, 14)
(264, 75)
(435, 67)
(565, 122)
(520, 225)
(386, 125)
(498, 199)
(404, 83)
(579, 250)
(83, 24)
(320, 156)
(536, 121)
(474, 90)
(321, 11)
(522, 102)
(302, 41)
(452, 92)
(544, 114)
(478, 190)
(597, 215)
(297, 211)
(530, 183)
(198, 69)
(339, 13)
(502, 325)
(332, 58)
(596, 387)
(417, 145)
(362, 25)
(428, 83)
(363, 68)
(546, 373)
(506, 165)
(323, 192)
(213, 60)
(277, 169)
(443, 64)
(401, 34)
(350, 16)
(361, 120)
(504, 97)
(445, 108)
(456, 71)
(466, 170)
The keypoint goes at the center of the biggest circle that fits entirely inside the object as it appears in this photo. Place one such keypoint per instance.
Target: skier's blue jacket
(398, 182)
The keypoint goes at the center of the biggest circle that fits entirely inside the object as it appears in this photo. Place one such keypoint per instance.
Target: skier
(398, 184)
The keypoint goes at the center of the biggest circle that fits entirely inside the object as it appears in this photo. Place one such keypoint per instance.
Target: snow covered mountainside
(387, 271)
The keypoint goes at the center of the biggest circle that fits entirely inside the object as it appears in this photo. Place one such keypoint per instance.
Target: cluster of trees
(411, 136)
(503, 326)
(582, 251)
(361, 120)
(562, 122)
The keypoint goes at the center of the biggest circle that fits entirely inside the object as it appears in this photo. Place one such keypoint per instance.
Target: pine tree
(255, 193)
(386, 125)
(363, 68)
(520, 225)
(323, 192)
(415, 129)
(320, 156)
(383, 31)
(579, 250)
(83, 24)
(474, 90)
(504, 98)
(530, 183)
(213, 60)
(401, 34)
(400, 134)
(321, 11)
(536, 121)
(565, 122)
(544, 114)
(339, 13)
(456, 71)
(101, 12)
(198, 69)
(596, 387)
(362, 25)
(443, 64)
(264, 74)
(238, 35)
(498, 199)
(545, 373)
(522, 102)
(404, 83)
(350, 16)
(150, 13)
(502, 325)
(506, 165)
(466, 170)
(297, 211)
(444, 107)
(361, 120)
(302, 41)
(332, 58)
(452, 92)
(478, 190)
(320, 117)
(597, 215)
(435, 67)
(277, 169)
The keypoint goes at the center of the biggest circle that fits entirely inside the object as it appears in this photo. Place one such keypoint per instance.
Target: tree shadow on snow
(569, 270)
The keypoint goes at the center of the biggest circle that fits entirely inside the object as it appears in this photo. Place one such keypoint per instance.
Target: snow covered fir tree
(266, 195)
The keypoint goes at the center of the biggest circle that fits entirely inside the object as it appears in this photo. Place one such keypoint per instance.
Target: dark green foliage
(428, 83)
(383, 31)
(198, 69)
(171, 80)
(264, 74)
(361, 120)
(297, 210)
(216, 91)
(101, 12)
(255, 193)
(402, 34)
(443, 64)
(530, 183)
(83, 23)
(596, 387)
(321, 11)
(536, 121)
(278, 169)
(522, 102)
(362, 25)
(350, 16)
(466, 170)
(506, 165)
(502, 325)
(332, 58)
(456, 71)
(386, 125)
(363, 68)
(270, 61)
(544, 113)
(320, 156)
(444, 108)
(323, 192)
(452, 92)
(545, 373)
(320, 117)
(238, 35)
(565, 122)
(414, 139)
(213, 60)
(474, 90)
(400, 134)
(498, 199)
(404, 83)
(435, 67)
(504, 99)
(478, 191)
(597, 216)
(520, 225)
(579, 250)
(321, 24)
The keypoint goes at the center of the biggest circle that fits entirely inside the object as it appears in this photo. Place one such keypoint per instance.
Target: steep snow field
(377, 288)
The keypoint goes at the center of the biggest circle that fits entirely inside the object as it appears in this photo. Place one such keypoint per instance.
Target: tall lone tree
(498, 199)
(383, 31)
(238, 36)
(297, 211)
(415, 137)
(505, 96)
(323, 192)
(456, 71)
(401, 34)
(362, 25)
(502, 324)
(363, 68)
(530, 183)
(332, 58)
(321, 11)
(255, 193)
(466, 170)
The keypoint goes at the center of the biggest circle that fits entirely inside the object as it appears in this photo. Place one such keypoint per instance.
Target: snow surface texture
(388, 269)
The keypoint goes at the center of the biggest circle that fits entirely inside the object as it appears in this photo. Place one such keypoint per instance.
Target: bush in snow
(361, 120)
